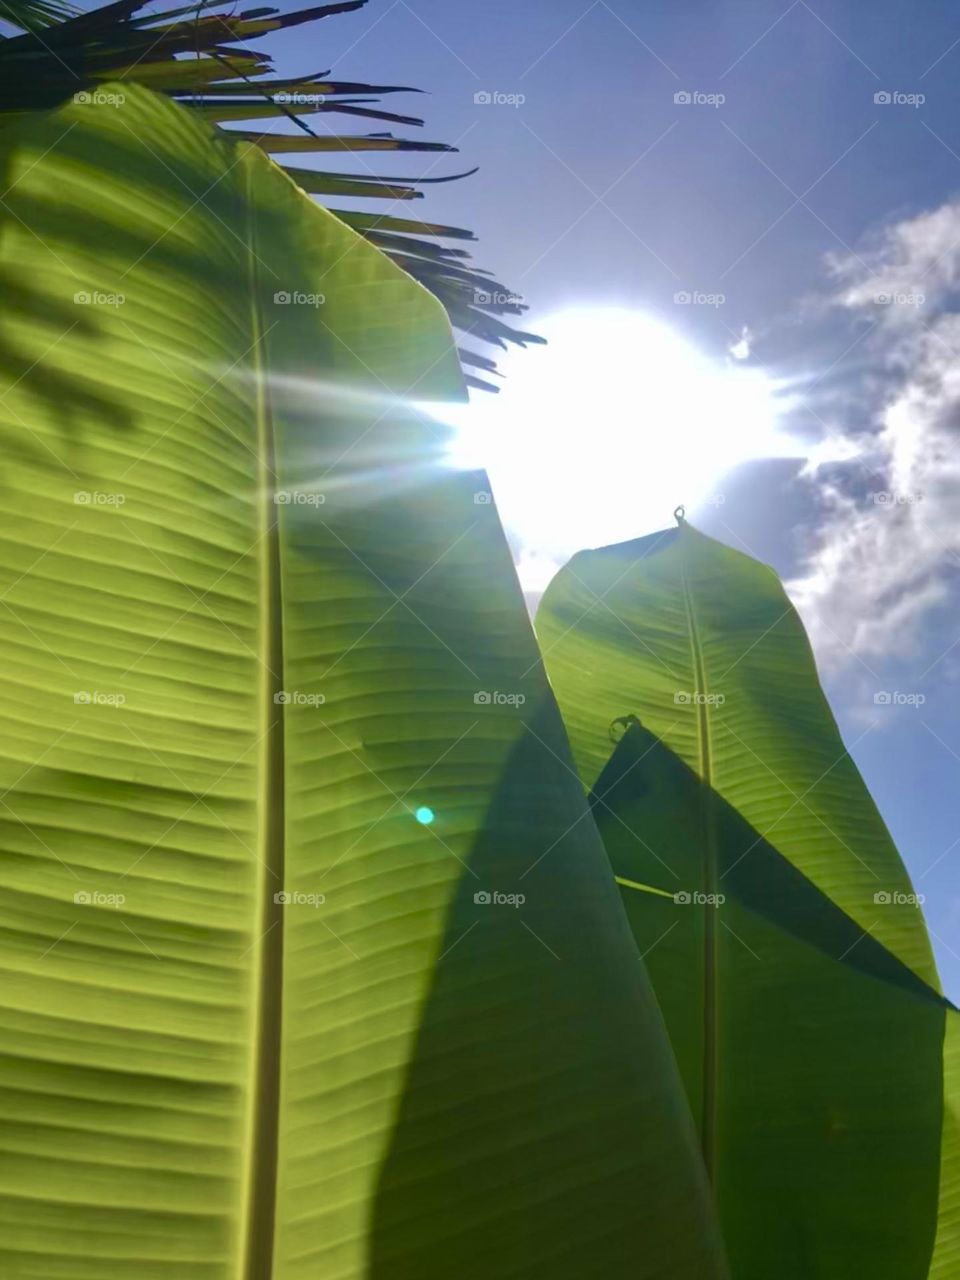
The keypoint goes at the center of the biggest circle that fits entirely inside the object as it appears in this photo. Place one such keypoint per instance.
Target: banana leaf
(777, 922)
(946, 1253)
(274, 1002)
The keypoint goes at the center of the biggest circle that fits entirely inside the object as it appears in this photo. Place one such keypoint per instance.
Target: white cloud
(740, 350)
(886, 557)
(916, 258)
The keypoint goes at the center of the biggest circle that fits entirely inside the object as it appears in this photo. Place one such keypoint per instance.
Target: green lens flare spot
(424, 815)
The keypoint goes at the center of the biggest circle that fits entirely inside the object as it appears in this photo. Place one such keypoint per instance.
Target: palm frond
(203, 61)
(30, 15)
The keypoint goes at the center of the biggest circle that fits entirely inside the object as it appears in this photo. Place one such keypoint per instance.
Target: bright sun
(598, 436)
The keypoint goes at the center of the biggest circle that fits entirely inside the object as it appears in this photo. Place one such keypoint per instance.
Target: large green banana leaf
(772, 910)
(946, 1254)
(277, 751)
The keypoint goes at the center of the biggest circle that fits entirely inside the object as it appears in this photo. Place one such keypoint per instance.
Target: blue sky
(786, 187)
(798, 198)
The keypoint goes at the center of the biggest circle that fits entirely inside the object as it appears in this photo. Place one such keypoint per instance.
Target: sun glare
(597, 437)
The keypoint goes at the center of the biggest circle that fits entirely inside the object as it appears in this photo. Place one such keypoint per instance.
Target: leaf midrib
(708, 1116)
(259, 1209)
